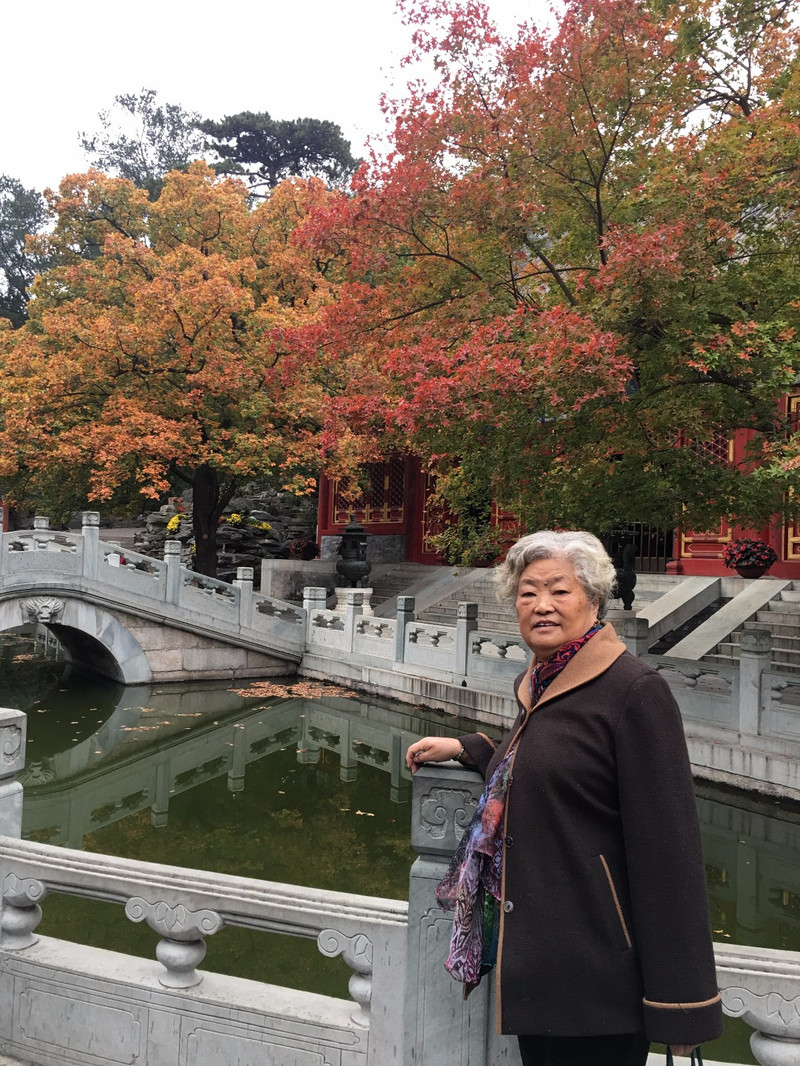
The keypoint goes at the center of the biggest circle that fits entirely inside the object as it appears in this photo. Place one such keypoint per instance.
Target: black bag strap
(696, 1060)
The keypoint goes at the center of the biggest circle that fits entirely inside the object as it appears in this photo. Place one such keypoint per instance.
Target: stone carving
(175, 923)
(282, 612)
(43, 608)
(369, 628)
(11, 745)
(770, 1013)
(693, 677)
(21, 912)
(22, 891)
(785, 692)
(356, 951)
(430, 637)
(494, 647)
(446, 810)
(37, 773)
(182, 948)
(209, 586)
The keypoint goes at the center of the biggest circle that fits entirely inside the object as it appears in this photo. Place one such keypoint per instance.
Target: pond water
(297, 782)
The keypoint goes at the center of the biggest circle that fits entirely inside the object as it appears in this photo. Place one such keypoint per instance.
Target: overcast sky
(65, 61)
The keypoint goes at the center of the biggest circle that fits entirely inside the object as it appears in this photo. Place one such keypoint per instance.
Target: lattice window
(717, 450)
(793, 414)
(381, 502)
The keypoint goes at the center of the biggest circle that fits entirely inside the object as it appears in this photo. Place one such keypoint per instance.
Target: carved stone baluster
(183, 947)
(21, 911)
(776, 1019)
(356, 951)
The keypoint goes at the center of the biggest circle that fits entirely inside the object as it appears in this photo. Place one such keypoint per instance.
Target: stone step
(778, 625)
(783, 607)
(791, 595)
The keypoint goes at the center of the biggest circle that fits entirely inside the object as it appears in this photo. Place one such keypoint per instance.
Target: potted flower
(749, 556)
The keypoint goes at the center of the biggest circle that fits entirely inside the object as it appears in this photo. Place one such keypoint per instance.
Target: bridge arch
(92, 636)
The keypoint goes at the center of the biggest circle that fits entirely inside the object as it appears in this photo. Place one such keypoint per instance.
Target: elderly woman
(581, 876)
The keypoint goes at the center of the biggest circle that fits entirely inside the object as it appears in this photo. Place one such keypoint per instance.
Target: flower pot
(751, 571)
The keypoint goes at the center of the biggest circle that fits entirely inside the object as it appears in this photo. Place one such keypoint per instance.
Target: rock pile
(262, 525)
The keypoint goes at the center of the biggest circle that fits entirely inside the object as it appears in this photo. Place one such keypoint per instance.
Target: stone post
(244, 583)
(159, 809)
(314, 600)
(21, 912)
(406, 607)
(635, 634)
(466, 624)
(40, 524)
(756, 653)
(348, 763)
(13, 728)
(172, 559)
(90, 527)
(443, 1029)
(353, 600)
(241, 747)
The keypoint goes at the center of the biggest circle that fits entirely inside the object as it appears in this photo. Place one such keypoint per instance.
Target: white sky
(65, 61)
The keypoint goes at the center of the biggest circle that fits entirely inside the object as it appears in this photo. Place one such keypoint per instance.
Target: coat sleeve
(666, 873)
(480, 749)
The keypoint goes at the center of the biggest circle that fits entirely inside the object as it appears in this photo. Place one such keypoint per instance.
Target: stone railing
(759, 985)
(742, 718)
(452, 652)
(68, 1003)
(72, 1003)
(50, 560)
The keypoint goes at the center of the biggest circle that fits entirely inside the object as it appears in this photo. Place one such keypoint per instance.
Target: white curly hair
(593, 567)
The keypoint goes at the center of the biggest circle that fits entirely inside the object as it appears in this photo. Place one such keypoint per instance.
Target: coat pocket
(612, 898)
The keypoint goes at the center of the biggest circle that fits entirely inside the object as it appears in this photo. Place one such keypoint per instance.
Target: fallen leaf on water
(306, 689)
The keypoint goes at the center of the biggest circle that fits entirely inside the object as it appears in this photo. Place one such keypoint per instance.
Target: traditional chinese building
(397, 507)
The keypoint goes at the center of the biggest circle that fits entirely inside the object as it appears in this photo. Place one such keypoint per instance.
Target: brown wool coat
(604, 925)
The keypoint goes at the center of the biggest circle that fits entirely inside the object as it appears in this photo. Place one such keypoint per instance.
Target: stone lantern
(352, 568)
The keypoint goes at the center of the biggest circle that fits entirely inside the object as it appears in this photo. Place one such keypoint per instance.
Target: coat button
(509, 842)
(508, 906)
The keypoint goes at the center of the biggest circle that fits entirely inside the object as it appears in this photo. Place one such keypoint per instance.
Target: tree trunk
(207, 505)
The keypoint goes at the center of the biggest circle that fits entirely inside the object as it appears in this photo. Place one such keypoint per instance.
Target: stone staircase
(780, 617)
(501, 618)
(494, 616)
(390, 580)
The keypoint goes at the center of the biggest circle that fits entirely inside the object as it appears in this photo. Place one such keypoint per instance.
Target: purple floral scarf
(472, 885)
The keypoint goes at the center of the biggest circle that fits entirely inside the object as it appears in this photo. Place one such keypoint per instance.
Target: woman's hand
(683, 1049)
(431, 749)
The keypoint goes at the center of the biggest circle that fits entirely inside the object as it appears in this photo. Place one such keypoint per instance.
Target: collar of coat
(593, 659)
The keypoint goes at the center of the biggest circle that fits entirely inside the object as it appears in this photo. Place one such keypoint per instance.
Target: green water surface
(303, 789)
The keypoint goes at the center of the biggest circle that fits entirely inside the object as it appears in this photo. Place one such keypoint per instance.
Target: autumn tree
(264, 151)
(143, 139)
(22, 213)
(582, 252)
(168, 346)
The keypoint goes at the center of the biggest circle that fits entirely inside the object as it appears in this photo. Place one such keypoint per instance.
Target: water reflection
(299, 789)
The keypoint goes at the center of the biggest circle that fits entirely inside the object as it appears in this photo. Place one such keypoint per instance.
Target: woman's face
(552, 606)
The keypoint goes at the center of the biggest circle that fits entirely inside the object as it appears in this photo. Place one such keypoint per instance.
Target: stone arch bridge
(140, 620)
